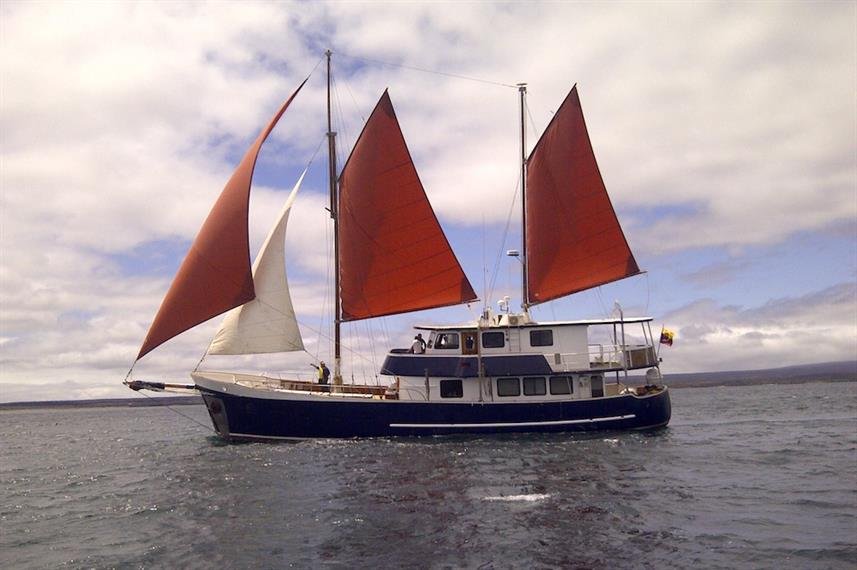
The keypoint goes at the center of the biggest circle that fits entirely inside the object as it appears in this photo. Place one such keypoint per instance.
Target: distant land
(107, 403)
(802, 374)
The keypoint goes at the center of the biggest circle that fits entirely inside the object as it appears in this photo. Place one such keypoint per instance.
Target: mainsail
(574, 240)
(216, 275)
(267, 323)
(394, 256)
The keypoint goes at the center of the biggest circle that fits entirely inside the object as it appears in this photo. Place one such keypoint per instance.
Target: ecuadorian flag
(667, 337)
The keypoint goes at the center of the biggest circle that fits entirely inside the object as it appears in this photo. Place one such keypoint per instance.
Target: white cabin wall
(571, 343)
(414, 388)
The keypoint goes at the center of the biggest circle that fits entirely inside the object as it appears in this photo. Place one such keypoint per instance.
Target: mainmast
(334, 214)
(525, 295)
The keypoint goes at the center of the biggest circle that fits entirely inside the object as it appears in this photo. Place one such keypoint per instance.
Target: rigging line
(386, 339)
(315, 153)
(372, 345)
(607, 313)
(354, 100)
(371, 349)
(355, 333)
(493, 281)
(353, 340)
(322, 323)
(347, 141)
(167, 406)
(340, 113)
(336, 107)
(322, 58)
(368, 326)
(327, 337)
(204, 354)
(443, 73)
(596, 293)
(535, 132)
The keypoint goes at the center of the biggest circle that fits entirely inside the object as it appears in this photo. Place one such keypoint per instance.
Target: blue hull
(244, 417)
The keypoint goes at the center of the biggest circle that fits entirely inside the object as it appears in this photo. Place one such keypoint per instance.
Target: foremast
(334, 214)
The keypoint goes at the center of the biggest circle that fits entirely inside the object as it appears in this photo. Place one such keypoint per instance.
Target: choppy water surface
(744, 477)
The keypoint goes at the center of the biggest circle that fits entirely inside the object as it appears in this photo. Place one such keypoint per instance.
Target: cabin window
(508, 387)
(534, 387)
(493, 339)
(451, 389)
(541, 338)
(597, 384)
(561, 385)
(446, 341)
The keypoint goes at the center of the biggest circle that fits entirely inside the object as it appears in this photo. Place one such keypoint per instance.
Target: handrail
(608, 356)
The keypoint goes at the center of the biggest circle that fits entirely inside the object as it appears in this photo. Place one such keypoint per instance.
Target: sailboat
(505, 372)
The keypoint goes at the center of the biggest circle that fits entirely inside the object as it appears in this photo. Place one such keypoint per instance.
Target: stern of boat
(654, 408)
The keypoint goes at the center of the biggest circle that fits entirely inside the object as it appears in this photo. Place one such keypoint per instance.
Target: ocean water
(744, 477)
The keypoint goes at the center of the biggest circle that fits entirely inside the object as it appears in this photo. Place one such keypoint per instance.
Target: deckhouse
(513, 358)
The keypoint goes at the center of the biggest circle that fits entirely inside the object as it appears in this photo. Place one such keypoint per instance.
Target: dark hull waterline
(275, 416)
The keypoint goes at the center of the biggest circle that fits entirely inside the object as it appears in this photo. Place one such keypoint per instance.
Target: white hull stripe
(516, 424)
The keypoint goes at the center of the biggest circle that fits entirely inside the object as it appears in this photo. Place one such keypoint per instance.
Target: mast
(525, 294)
(334, 214)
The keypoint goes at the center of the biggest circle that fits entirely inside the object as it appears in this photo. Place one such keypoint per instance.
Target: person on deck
(419, 345)
(323, 372)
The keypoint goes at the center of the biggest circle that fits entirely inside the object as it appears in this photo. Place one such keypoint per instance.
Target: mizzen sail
(267, 323)
(394, 256)
(216, 275)
(574, 240)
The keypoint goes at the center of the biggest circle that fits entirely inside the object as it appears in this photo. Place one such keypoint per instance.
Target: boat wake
(532, 498)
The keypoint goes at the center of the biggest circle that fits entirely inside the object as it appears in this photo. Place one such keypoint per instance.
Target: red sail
(215, 275)
(394, 257)
(574, 241)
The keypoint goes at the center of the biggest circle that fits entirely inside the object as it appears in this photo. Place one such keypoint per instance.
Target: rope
(431, 71)
(339, 112)
(532, 121)
(205, 426)
(503, 241)
(325, 298)
(322, 58)
(204, 354)
(371, 347)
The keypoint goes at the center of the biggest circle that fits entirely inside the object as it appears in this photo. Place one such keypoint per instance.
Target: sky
(726, 134)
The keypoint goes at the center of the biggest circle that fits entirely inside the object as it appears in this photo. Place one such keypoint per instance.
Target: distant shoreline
(681, 385)
(106, 403)
(803, 374)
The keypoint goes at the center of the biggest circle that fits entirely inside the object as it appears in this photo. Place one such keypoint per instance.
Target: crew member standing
(419, 345)
(323, 372)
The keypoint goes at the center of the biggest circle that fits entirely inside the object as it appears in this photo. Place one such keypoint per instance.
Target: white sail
(267, 323)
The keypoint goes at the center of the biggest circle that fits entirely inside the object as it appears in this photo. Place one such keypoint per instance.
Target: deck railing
(608, 357)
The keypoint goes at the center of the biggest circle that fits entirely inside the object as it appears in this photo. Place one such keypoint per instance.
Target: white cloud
(817, 327)
(121, 122)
